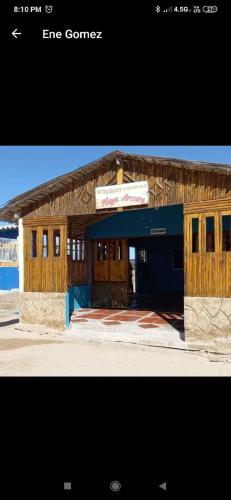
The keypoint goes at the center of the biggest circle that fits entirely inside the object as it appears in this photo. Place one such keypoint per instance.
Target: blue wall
(67, 308)
(79, 296)
(9, 233)
(9, 278)
(159, 275)
(139, 223)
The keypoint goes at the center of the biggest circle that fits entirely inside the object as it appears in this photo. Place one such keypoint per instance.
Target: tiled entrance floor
(148, 327)
(138, 319)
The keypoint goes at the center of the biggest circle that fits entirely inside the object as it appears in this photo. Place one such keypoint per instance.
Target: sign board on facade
(158, 231)
(122, 195)
(8, 252)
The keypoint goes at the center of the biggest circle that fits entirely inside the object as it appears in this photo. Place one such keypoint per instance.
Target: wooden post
(119, 176)
(21, 255)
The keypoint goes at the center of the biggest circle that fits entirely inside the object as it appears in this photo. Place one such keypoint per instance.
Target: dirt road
(36, 353)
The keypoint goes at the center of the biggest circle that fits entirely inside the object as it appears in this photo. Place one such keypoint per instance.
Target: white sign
(8, 251)
(122, 195)
(157, 231)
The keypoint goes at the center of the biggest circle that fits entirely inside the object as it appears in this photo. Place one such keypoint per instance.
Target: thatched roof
(22, 202)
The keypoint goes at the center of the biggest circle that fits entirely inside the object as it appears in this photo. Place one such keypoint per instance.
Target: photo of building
(128, 231)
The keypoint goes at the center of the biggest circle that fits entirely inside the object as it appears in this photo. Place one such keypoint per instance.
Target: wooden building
(74, 238)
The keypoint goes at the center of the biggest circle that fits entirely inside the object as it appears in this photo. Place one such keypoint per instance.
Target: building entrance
(158, 269)
(138, 260)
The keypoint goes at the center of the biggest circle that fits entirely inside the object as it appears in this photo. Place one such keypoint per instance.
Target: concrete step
(130, 327)
(155, 337)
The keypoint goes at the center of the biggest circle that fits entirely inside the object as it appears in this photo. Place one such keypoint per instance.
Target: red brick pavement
(144, 319)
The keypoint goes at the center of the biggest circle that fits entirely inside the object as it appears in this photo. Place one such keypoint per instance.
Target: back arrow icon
(163, 486)
(15, 33)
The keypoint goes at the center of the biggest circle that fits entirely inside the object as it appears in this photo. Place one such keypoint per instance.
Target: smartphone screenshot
(115, 249)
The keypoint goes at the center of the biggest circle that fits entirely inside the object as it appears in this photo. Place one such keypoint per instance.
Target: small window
(56, 236)
(98, 250)
(45, 243)
(120, 252)
(210, 236)
(226, 233)
(143, 256)
(117, 249)
(73, 249)
(105, 250)
(33, 244)
(195, 235)
(83, 256)
(68, 247)
(102, 250)
(78, 250)
(178, 261)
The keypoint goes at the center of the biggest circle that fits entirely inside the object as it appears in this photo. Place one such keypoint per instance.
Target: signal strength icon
(168, 10)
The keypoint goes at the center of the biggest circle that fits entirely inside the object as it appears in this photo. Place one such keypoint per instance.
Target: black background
(151, 80)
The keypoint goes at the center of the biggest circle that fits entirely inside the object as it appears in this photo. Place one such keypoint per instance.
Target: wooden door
(110, 262)
(118, 260)
(101, 261)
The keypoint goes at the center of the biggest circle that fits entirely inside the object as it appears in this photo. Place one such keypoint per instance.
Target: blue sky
(24, 167)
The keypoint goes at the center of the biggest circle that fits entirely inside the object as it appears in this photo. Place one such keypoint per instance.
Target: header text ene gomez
(72, 34)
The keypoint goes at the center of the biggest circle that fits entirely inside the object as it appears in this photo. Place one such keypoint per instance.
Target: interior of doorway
(156, 274)
(132, 269)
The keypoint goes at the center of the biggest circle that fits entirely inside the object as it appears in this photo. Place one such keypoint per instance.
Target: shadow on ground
(9, 322)
(165, 305)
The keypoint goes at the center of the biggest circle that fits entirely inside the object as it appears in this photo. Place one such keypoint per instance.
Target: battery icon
(210, 9)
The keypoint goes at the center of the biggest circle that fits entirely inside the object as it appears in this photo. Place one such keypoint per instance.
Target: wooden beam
(204, 206)
(44, 221)
(129, 177)
(112, 180)
(119, 176)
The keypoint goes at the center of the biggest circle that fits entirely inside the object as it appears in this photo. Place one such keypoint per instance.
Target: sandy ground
(27, 350)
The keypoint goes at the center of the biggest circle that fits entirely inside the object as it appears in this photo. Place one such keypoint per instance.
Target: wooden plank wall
(168, 185)
(45, 274)
(207, 274)
(77, 270)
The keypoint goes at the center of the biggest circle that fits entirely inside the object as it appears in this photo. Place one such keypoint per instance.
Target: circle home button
(115, 486)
